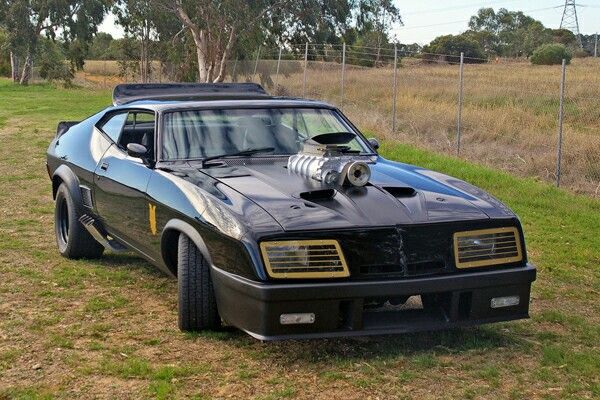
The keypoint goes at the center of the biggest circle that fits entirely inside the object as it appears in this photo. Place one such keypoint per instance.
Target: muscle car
(277, 216)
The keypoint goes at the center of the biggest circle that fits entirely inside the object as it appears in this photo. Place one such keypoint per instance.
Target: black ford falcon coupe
(277, 216)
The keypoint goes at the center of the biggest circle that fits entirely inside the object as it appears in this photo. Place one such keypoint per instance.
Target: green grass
(108, 327)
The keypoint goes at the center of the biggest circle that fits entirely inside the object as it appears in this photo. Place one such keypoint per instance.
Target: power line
(436, 10)
(467, 20)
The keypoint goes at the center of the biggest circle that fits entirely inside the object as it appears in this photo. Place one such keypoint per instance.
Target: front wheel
(71, 237)
(197, 303)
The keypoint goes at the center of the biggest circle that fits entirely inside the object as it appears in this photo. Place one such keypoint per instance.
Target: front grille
(304, 259)
(486, 247)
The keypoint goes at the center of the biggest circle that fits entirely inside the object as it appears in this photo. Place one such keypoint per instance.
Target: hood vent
(399, 192)
(318, 195)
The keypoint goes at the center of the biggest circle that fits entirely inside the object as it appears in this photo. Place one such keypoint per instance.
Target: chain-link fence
(503, 113)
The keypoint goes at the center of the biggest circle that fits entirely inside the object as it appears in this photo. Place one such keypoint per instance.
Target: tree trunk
(14, 66)
(201, 54)
(27, 67)
(223, 61)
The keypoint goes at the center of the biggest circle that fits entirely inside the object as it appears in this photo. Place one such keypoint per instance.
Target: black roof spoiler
(127, 93)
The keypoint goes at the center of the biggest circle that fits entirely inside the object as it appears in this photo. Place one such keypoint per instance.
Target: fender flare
(69, 178)
(183, 227)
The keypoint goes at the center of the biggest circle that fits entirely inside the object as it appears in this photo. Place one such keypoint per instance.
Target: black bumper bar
(340, 308)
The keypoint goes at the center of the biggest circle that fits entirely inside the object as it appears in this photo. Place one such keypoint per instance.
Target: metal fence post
(460, 101)
(395, 88)
(256, 63)
(305, 68)
(277, 71)
(596, 45)
(343, 75)
(560, 121)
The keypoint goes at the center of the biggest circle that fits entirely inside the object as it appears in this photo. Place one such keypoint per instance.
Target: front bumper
(452, 300)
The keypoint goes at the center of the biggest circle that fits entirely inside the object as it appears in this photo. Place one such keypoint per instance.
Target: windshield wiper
(247, 152)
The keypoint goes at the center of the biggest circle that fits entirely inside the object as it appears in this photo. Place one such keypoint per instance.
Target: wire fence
(500, 113)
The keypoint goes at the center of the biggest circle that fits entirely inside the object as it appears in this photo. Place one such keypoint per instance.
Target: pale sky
(426, 19)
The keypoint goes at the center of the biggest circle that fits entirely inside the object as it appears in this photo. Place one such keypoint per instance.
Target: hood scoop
(318, 195)
(400, 192)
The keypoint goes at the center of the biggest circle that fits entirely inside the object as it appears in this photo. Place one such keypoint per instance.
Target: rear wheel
(71, 237)
(197, 303)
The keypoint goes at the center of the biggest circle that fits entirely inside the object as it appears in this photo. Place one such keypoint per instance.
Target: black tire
(73, 240)
(197, 303)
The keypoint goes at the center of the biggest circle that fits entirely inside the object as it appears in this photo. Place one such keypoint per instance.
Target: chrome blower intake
(328, 164)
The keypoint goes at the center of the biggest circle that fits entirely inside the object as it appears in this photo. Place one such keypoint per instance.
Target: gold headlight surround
(327, 255)
(507, 238)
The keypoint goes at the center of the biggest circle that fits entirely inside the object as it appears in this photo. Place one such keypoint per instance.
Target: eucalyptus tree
(27, 20)
(220, 28)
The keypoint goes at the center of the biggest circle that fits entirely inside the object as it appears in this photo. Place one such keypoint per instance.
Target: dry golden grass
(107, 328)
(510, 114)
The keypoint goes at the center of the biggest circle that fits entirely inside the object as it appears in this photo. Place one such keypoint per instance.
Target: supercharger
(332, 167)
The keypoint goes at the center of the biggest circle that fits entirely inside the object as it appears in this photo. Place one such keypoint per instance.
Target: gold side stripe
(297, 270)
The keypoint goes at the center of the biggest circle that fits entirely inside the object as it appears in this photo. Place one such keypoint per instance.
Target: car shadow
(120, 261)
(453, 341)
(364, 348)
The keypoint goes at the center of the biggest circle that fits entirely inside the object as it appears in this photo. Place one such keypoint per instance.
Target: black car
(277, 216)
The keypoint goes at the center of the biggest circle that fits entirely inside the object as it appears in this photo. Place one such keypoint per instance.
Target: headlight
(304, 259)
(486, 247)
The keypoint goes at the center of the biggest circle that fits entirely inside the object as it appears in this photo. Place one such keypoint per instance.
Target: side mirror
(137, 150)
(374, 143)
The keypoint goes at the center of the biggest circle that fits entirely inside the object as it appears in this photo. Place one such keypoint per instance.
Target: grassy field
(108, 328)
(509, 118)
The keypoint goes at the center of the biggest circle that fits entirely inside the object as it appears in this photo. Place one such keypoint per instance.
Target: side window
(138, 128)
(113, 126)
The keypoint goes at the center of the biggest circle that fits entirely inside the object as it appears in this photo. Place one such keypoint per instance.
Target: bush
(52, 63)
(550, 54)
(5, 68)
(581, 53)
(448, 48)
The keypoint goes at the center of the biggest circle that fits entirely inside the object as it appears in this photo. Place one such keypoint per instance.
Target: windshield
(198, 134)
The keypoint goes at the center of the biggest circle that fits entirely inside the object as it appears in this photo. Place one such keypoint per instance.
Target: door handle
(104, 166)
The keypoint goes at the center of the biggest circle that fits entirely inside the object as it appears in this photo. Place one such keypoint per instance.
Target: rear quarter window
(113, 126)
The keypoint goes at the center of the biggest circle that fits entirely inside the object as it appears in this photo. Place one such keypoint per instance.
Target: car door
(120, 183)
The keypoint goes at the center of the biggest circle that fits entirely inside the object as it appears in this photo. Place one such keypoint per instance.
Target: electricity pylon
(569, 20)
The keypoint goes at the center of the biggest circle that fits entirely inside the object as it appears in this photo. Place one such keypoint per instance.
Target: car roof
(161, 97)
(179, 104)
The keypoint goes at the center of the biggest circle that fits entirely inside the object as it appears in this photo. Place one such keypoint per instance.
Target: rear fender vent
(304, 259)
(486, 247)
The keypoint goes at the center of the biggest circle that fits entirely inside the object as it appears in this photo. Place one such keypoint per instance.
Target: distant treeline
(194, 42)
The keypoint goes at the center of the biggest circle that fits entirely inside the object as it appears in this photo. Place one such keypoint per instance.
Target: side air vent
(86, 197)
(304, 259)
(487, 247)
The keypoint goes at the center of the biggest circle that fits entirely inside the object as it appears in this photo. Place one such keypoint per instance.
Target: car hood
(397, 194)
